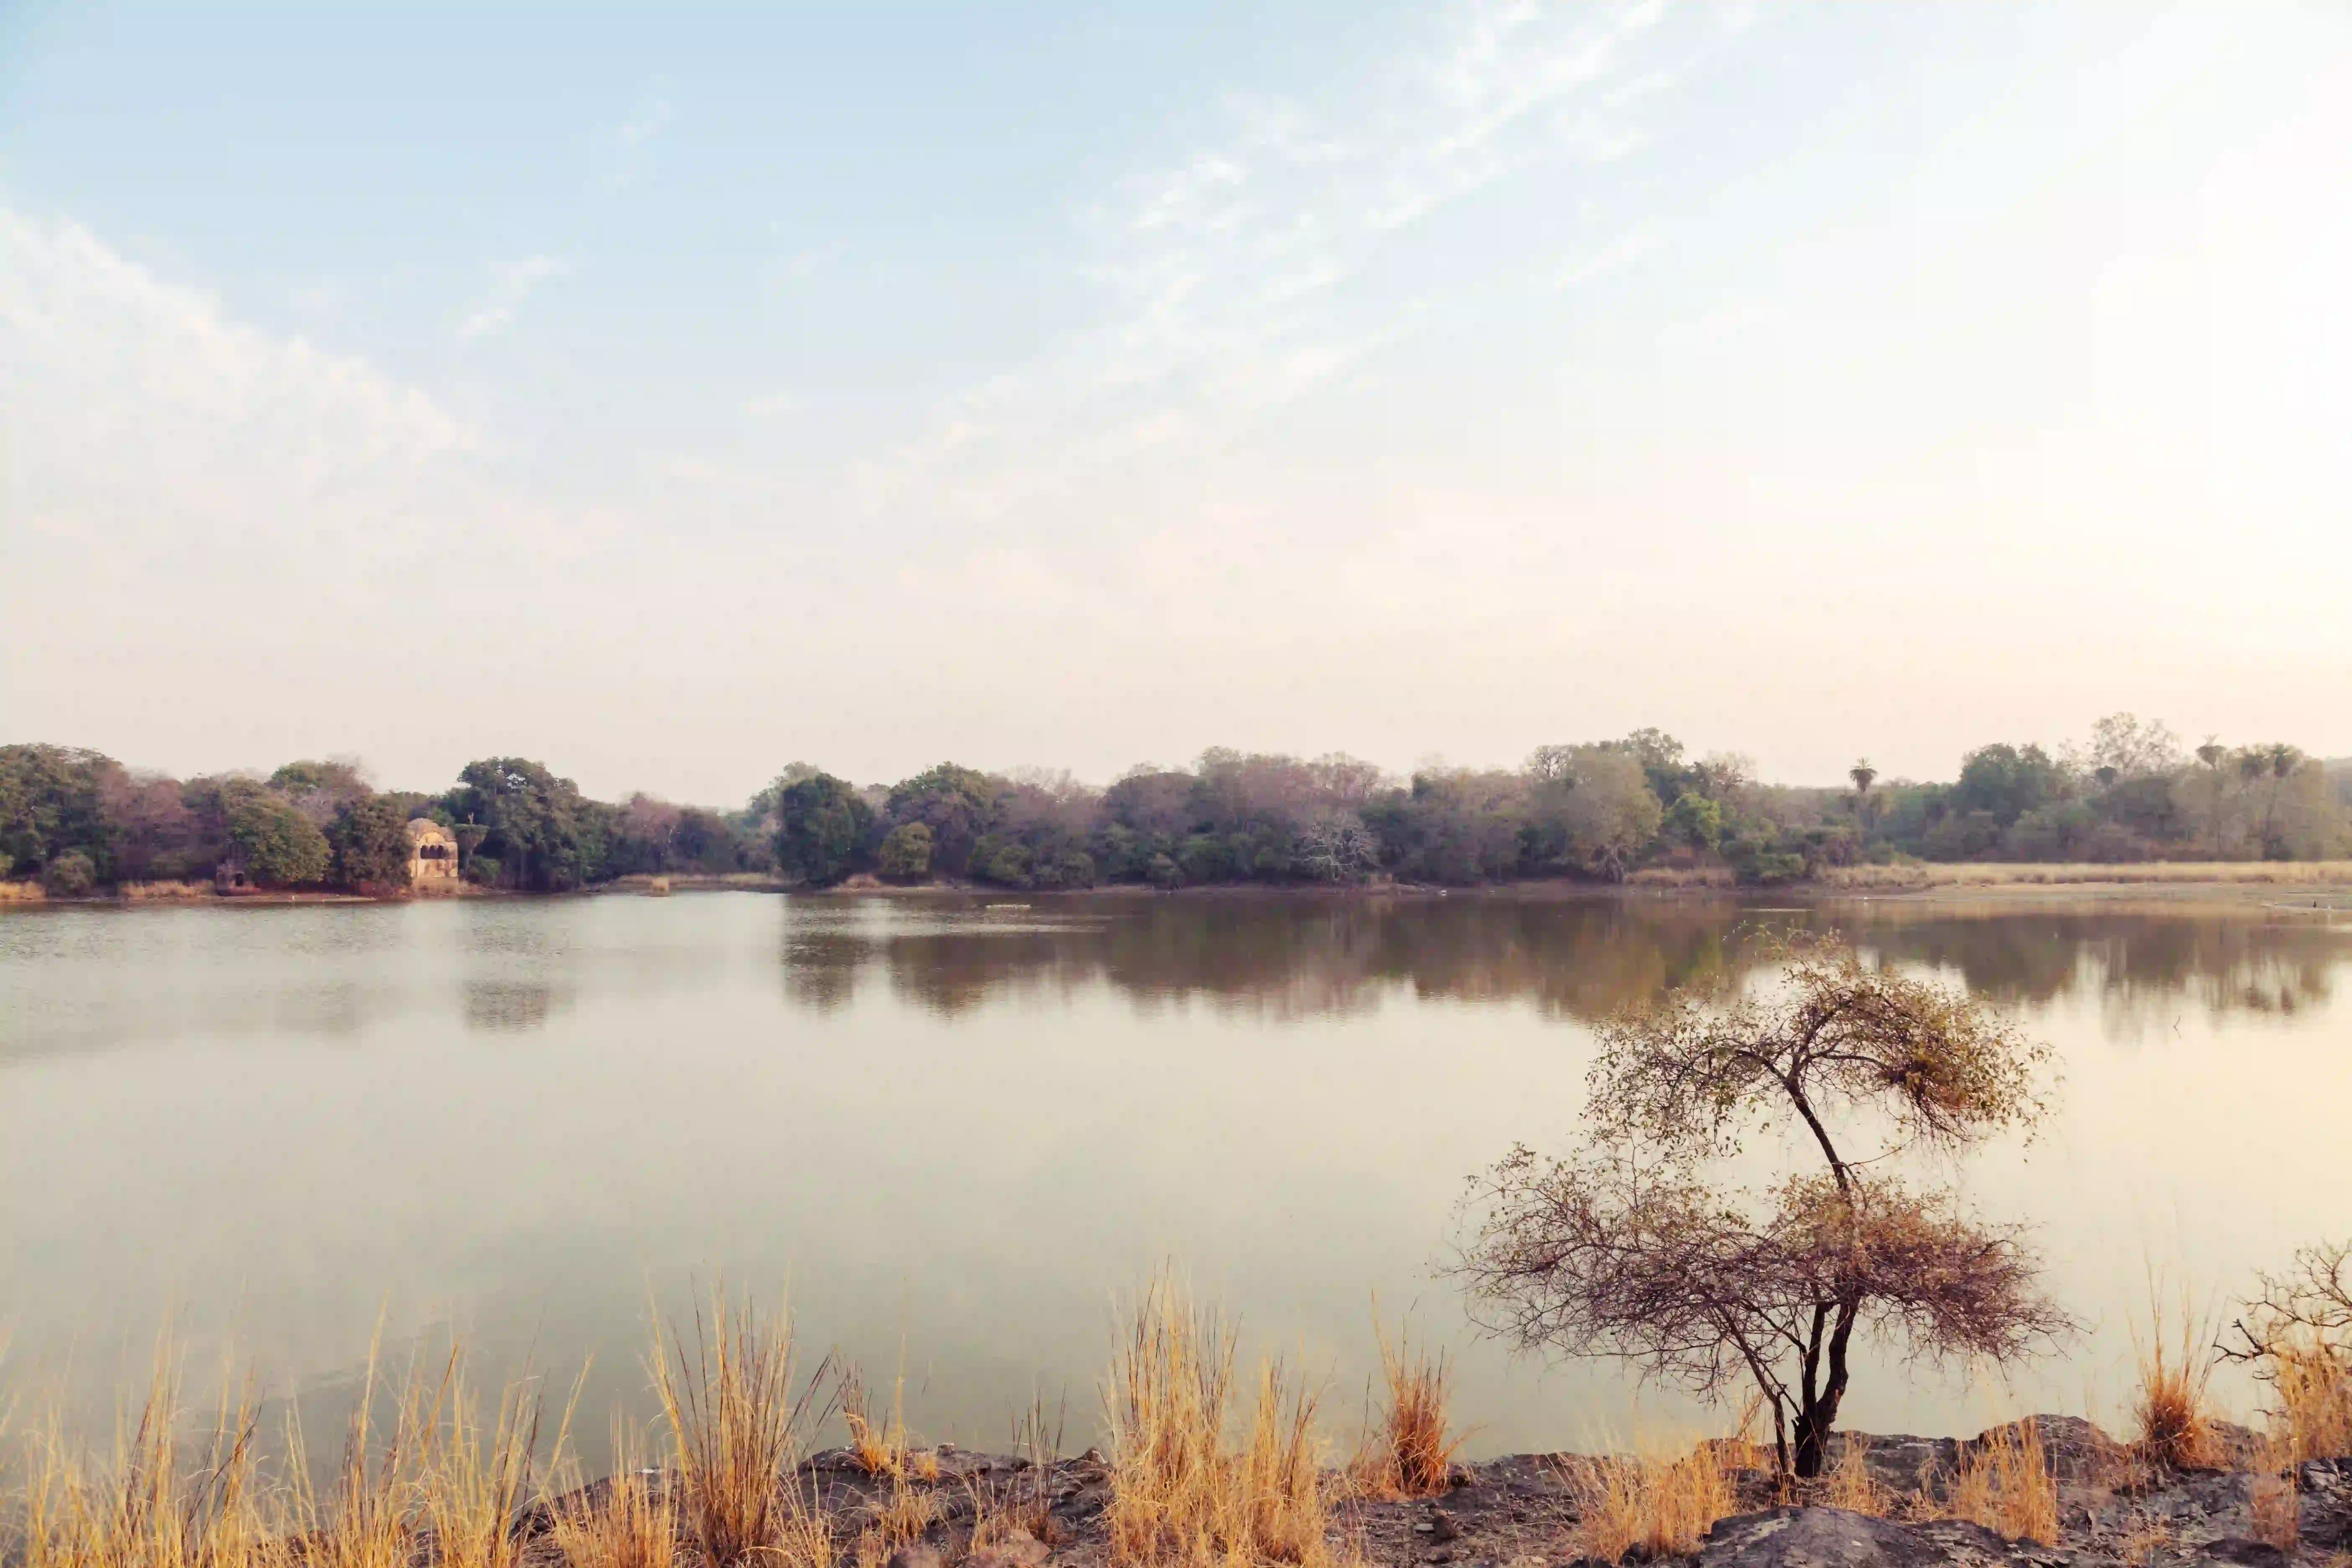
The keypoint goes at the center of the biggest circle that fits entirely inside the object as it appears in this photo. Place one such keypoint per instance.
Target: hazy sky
(671, 394)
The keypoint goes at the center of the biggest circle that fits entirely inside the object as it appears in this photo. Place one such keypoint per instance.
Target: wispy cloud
(1273, 260)
(514, 281)
(774, 406)
(800, 264)
(1615, 257)
(633, 138)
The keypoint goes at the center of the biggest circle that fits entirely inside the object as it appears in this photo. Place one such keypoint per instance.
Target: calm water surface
(955, 1129)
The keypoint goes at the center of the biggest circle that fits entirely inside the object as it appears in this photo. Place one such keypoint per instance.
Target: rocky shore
(1522, 1511)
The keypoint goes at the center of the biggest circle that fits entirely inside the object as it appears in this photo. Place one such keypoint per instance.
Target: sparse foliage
(1629, 1249)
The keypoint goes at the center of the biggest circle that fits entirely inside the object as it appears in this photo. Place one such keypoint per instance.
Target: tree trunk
(1817, 1419)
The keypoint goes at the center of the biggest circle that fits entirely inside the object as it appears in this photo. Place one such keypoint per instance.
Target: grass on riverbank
(1181, 1491)
(2000, 874)
(1200, 1475)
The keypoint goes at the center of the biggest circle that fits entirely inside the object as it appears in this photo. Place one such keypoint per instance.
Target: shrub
(283, 848)
(370, 838)
(906, 855)
(68, 876)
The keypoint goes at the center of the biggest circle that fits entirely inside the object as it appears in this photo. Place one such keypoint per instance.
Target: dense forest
(77, 822)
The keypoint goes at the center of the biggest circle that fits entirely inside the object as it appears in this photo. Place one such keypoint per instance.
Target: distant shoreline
(2287, 885)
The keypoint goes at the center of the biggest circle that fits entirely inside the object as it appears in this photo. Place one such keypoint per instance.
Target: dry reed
(2004, 874)
(736, 1429)
(1851, 1486)
(1662, 1505)
(2277, 1507)
(629, 1522)
(149, 1506)
(1181, 1493)
(2172, 1425)
(478, 1481)
(1024, 1504)
(879, 1448)
(1409, 1452)
(2313, 1379)
(2005, 1483)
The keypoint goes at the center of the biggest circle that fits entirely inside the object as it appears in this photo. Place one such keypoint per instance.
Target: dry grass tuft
(1963, 874)
(1665, 1505)
(1409, 1453)
(879, 1448)
(2174, 1428)
(1181, 1493)
(1024, 1504)
(2313, 1379)
(736, 1429)
(1850, 1485)
(2142, 1544)
(478, 1481)
(163, 893)
(628, 1523)
(150, 1506)
(2277, 1507)
(2006, 1484)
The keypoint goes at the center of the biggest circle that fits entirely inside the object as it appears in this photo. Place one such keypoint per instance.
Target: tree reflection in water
(1292, 957)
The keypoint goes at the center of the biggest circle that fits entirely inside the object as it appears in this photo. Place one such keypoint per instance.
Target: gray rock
(1833, 1538)
(2246, 1553)
(1018, 1550)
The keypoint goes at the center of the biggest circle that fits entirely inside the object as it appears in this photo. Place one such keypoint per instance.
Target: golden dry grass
(2005, 1483)
(1663, 1504)
(631, 1521)
(1682, 877)
(879, 1447)
(1181, 1491)
(165, 893)
(1850, 1485)
(736, 1429)
(23, 893)
(1408, 1451)
(2172, 1425)
(2277, 1509)
(149, 1504)
(2313, 1382)
(479, 1480)
(1993, 874)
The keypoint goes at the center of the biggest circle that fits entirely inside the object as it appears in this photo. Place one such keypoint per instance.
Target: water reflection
(954, 1128)
(1287, 958)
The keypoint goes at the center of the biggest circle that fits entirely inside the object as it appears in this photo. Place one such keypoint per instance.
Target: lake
(955, 1127)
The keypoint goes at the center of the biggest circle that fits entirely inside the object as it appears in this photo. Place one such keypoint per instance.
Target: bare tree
(1335, 846)
(2311, 1304)
(1629, 1250)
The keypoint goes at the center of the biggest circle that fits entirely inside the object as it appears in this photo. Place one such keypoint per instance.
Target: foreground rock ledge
(1520, 1511)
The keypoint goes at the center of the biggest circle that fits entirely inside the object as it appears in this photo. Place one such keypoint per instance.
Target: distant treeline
(79, 821)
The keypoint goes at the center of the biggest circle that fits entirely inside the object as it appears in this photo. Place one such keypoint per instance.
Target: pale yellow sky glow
(1807, 384)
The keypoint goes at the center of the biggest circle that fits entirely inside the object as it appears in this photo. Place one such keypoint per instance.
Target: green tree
(68, 876)
(822, 827)
(53, 802)
(906, 854)
(542, 833)
(281, 847)
(957, 803)
(1695, 820)
(369, 839)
